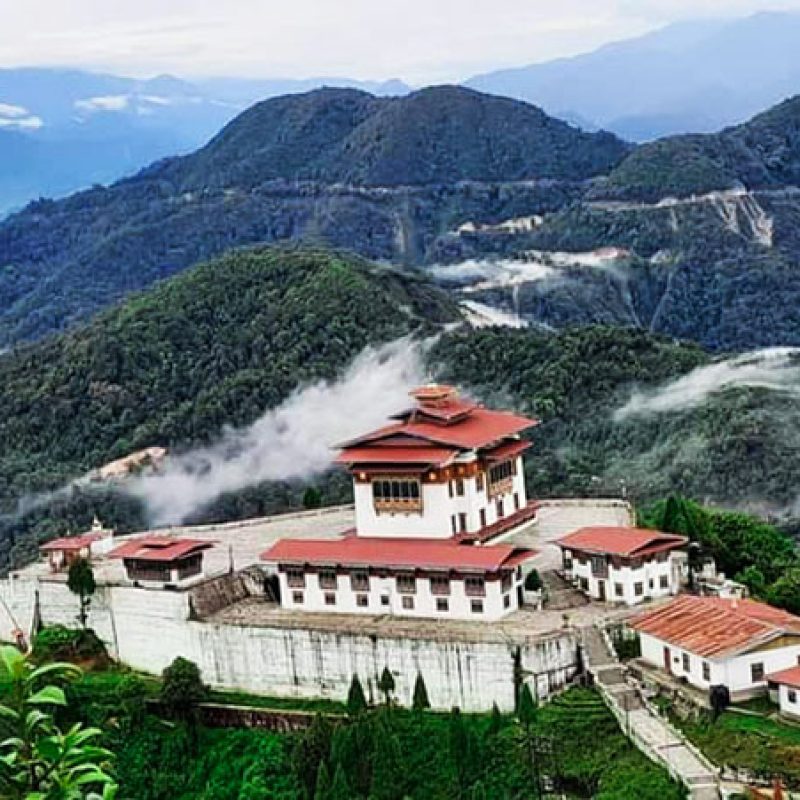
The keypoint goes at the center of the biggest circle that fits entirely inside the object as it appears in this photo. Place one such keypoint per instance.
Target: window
(362, 600)
(396, 494)
(296, 578)
(619, 589)
(406, 584)
(706, 671)
(475, 586)
(408, 602)
(584, 582)
(508, 580)
(330, 599)
(638, 589)
(450, 488)
(599, 565)
(460, 487)
(297, 598)
(479, 481)
(663, 581)
(359, 581)
(516, 501)
(651, 584)
(454, 524)
(506, 600)
(442, 604)
(482, 513)
(687, 664)
(500, 512)
(757, 672)
(792, 696)
(440, 584)
(500, 476)
(477, 606)
(384, 599)
(462, 522)
(327, 579)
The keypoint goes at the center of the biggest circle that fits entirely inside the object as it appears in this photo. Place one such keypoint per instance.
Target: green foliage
(533, 582)
(56, 643)
(80, 581)
(526, 706)
(183, 687)
(312, 497)
(386, 684)
(420, 700)
(356, 701)
(38, 760)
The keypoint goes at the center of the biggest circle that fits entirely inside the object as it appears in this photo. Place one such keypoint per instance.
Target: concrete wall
(147, 629)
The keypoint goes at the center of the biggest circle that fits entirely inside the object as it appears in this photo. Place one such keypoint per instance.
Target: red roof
(358, 551)
(506, 450)
(71, 542)
(786, 677)
(503, 525)
(392, 454)
(160, 548)
(713, 627)
(620, 541)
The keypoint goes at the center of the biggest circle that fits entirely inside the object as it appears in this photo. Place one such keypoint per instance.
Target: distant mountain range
(63, 130)
(691, 77)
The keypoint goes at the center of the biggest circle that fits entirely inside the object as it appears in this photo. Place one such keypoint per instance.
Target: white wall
(649, 575)
(438, 508)
(147, 629)
(788, 707)
(460, 605)
(735, 672)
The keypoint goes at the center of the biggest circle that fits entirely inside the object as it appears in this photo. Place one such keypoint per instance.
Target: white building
(159, 561)
(434, 492)
(623, 565)
(62, 553)
(710, 641)
(784, 688)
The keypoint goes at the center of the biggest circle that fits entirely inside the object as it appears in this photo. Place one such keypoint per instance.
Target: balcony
(410, 505)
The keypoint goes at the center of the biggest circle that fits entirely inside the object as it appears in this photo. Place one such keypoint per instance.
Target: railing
(410, 505)
(503, 486)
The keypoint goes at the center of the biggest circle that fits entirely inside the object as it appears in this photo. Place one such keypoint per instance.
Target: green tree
(80, 581)
(463, 750)
(312, 750)
(323, 784)
(356, 701)
(339, 789)
(38, 761)
(181, 692)
(421, 701)
(386, 684)
(312, 498)
(388, 774)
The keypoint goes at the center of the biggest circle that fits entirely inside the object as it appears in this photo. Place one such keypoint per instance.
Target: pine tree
(495, 721)
(386, 684)
(312, 750)
(356, 702)
(340, 790)
(387, 769)
(526, 708)
(420, 702)
(323, 783)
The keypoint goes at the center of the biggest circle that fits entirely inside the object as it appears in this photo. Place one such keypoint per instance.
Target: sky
(420, 41)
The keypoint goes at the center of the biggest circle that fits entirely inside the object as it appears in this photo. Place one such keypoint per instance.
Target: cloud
(775, 368)
(111, 102)
(292, 441)
(13, 112)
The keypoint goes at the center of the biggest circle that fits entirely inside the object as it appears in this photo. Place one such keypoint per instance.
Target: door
(601, 590)
(667, 660)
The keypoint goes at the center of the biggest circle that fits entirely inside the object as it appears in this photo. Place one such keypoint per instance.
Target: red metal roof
(359, 551)
(392, 454)
(503, 525)
(70, 542)
(160, 548)
(506, 450)
(786, 677)
(620, 541)
(712, 627)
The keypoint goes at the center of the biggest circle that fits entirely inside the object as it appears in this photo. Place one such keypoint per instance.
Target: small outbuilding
(784, 689)
(162, 560)
(63, 552)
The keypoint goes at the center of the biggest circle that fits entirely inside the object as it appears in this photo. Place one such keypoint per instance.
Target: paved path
(654, 736)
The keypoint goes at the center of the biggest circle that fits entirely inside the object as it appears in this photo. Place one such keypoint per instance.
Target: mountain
(694, 76)
(79, 128)
(222, 343)
(382, 176)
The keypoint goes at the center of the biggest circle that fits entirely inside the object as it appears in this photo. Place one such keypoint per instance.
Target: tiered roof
(714, 627)
(437, 429)
(620, 541)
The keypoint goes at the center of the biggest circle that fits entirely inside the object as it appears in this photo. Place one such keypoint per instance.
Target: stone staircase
(560, 594)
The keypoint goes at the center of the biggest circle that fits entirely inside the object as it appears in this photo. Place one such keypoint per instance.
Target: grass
(758, 705)
(283, 703)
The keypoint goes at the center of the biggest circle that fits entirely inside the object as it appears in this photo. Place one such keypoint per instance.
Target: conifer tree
(339, 789)
(386, 684)
(356, 701)
(387, 769)
(312, 750)
(526, 709)
(323, 783)
(420, 702)
(495, 721)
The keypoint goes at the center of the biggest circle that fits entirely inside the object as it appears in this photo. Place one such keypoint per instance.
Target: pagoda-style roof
(163, 549)
(440, 420)
(621, 541)
(393, 553)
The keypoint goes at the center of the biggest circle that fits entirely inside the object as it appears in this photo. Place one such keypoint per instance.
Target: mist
(292, 441)
(775, 368)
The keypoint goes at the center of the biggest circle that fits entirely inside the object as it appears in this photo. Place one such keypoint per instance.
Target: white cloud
(774, 368)
(31, 123)
(418, 40)
(111, 102)
(12, 112)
